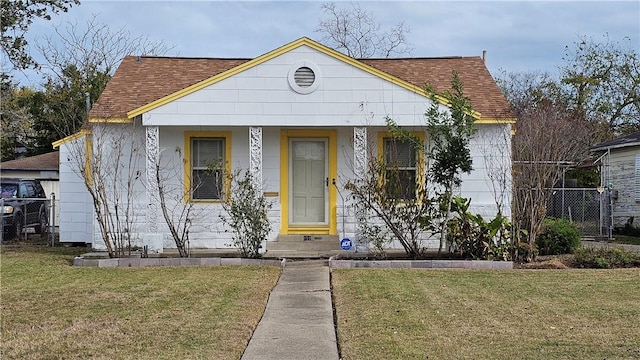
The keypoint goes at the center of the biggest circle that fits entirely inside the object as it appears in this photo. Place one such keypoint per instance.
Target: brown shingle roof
(139, 81)
(478, 84)
(48, 161)
(628, 140)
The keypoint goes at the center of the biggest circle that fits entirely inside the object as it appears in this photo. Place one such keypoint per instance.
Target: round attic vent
(304, 77)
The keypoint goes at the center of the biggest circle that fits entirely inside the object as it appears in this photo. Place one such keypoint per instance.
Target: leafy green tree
(65, 97)
(601, 81)
(450, 131)
(80, 60)
(18, 109)
(16, 17)
(36, 118)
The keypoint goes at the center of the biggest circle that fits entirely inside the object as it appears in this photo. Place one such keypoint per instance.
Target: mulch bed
(550, 262)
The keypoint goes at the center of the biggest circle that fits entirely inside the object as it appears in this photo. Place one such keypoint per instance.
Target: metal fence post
(52, 220)
(24, 221)
(2, 222)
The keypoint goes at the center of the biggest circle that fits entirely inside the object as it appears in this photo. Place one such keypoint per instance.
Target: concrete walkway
(298, 320)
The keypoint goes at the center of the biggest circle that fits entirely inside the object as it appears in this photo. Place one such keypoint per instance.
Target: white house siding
(490, 148)
(207, 230)
(621, 174)
(490, 180)
(131, 137)
(261, 96)
(76, 208)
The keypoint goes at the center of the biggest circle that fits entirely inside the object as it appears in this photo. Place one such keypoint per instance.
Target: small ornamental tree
(404, 212)
(108, 159)
(411, 209)
(247, 214)
(178, 211)
(449, 154)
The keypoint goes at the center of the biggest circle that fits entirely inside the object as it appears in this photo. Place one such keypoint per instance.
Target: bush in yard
(247, 211)
(558, 236)
(606, 258)
(473, 237)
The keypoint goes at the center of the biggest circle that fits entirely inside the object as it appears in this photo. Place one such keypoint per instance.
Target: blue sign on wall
(346, 244)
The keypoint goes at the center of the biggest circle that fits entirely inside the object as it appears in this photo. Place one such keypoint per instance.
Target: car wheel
(43, 222)
(18, 226)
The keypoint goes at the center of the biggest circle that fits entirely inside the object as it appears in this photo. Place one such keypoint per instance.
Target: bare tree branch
(355, 32)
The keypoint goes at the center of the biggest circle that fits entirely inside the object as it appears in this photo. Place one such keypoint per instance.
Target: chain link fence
(588, 208)
(21, 219)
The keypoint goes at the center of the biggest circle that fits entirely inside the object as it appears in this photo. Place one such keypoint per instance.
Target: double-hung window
(400, 160)
(207, 168)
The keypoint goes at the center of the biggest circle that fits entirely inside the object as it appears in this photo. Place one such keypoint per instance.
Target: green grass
(51, 310)
(521, 314)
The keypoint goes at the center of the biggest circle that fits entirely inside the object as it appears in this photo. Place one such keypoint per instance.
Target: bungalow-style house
(303, 119)
(620, 174)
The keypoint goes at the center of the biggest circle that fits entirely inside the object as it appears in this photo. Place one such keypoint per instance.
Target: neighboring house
(620, 173)
(44, 167)
(301, 118)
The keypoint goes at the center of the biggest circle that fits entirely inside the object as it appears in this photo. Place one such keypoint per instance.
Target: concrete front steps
(303, 246)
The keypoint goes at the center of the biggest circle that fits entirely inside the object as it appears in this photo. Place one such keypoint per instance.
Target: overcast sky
(517, 35)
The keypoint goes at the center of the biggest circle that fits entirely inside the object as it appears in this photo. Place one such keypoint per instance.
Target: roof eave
(56, 144)
(615, 146)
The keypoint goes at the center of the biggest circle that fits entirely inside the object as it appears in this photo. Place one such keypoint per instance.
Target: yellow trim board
(332, 135)
(56, 144)
(88, 151)
(111, 120)
(496, 121)
(304, 41)
(188, 135)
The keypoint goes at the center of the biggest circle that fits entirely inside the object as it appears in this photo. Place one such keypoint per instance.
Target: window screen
(207, 164)
(400, 175)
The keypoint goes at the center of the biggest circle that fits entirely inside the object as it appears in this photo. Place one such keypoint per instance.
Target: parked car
(24, 205)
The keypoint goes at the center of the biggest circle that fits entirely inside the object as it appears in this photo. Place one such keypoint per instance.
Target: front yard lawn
(51, 310)
(461, 314)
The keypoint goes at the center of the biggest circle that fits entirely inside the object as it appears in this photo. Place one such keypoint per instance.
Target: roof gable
(144, 83)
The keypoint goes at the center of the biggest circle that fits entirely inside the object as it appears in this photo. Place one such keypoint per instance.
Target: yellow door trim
(285, 229)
